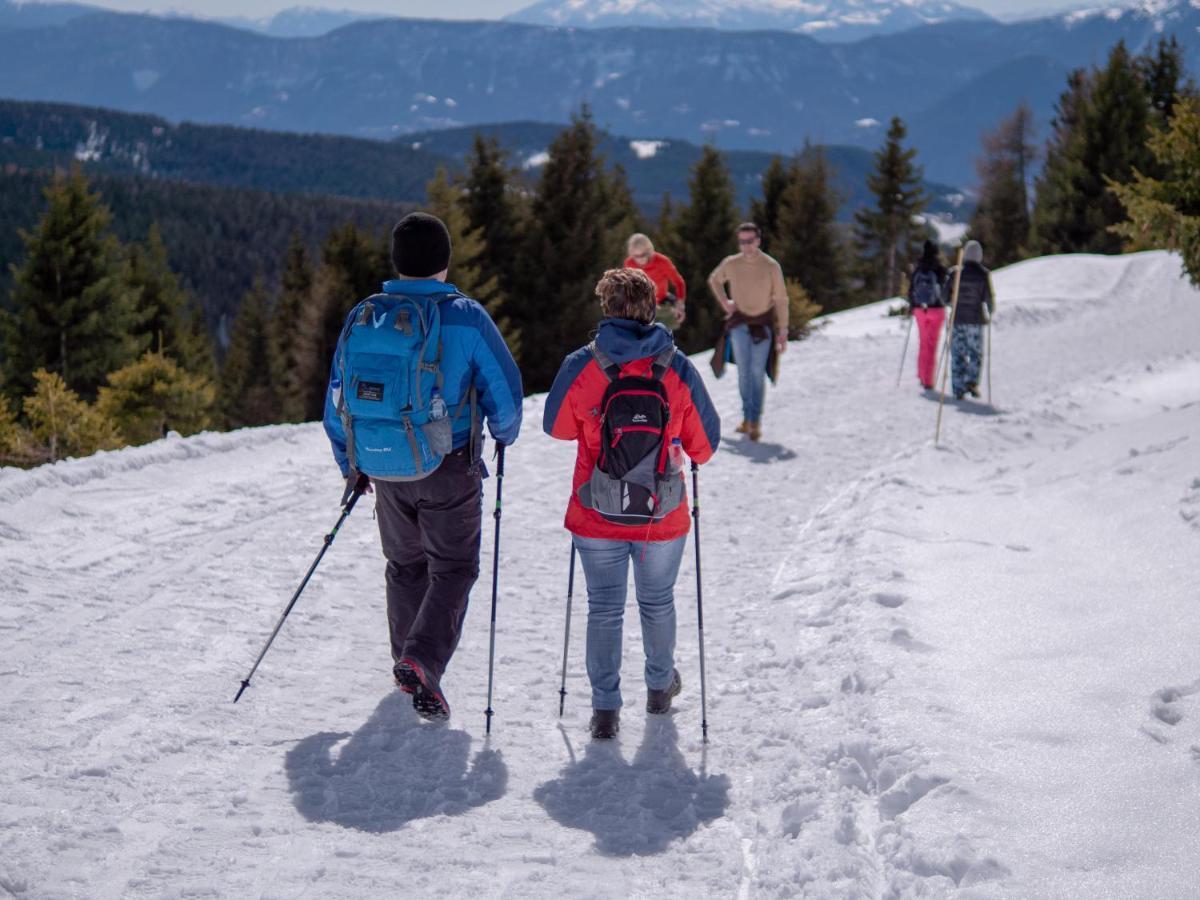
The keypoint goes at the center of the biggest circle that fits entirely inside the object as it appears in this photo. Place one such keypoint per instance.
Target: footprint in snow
(891, 601)
(1169, 707)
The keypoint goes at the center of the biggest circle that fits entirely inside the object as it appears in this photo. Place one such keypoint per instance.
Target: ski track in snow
(931, 671)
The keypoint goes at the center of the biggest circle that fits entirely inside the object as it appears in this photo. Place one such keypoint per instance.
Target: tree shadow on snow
(759, 451)
(393, 770)
(635, 808)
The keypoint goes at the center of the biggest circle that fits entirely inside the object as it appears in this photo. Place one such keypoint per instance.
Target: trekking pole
(946, 346)
(359, 487)
(989, 360)
(495, 579)
(562, 691)
(699, 601)
(904, 355)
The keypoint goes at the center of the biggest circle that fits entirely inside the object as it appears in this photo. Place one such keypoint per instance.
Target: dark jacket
(939, 272)
(762, 328)
(974, 293)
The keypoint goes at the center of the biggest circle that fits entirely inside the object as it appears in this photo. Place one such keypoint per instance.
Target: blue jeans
(751, 361)
(606, 569)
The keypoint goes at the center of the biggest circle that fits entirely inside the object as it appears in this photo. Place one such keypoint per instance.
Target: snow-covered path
(966, 671)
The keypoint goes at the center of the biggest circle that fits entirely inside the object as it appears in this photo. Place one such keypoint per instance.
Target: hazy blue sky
(449, 9)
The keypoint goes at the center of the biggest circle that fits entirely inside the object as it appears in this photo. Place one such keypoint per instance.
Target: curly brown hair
(627, 294)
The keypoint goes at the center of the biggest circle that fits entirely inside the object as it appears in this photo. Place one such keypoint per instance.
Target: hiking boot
(754, 431)
(605, 723)
(428, 700)
(973, 389)
(659, 702)
(958, 395)
(744, 428)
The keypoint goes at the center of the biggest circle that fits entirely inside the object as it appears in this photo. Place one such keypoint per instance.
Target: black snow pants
(430, 531)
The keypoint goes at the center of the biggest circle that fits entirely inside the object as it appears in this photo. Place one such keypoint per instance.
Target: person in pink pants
(925, 304)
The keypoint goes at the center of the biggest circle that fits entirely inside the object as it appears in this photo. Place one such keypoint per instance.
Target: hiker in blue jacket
(416, 369)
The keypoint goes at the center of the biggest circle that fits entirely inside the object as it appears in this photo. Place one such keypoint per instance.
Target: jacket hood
(973, 252)
(625, 340)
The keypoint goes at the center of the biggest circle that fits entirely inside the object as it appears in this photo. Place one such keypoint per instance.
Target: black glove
(356, 483)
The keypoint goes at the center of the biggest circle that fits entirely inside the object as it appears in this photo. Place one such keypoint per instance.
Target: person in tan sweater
(749, 286)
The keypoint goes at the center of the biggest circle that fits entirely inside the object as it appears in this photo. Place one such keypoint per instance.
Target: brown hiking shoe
(659, 702)
(754, 432)
(744, 428)
(605, 723)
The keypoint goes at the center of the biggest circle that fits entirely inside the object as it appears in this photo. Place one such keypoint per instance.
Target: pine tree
(295, 370)
(1099, 135)
(62, 424)
(163, 307)
(153, 395)
(73, 310)
(248, 393)
(1001, 221)
(570, 240)
(1165, 212)
(764, 211)
(495, 208)
(706, 236)
(14, 440)
(447, 201)
(809, 245)
(1163, 74)
(886, 234)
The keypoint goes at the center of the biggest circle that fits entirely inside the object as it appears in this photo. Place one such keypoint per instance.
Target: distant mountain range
(830, 20)
(764, 91)
(42, 135)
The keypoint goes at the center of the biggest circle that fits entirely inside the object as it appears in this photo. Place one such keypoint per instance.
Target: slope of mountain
(301, 21)
(740, 90)
(829, 20)
(958, 673)
(36, 15)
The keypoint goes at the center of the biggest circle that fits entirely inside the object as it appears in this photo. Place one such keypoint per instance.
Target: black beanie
(420, 246)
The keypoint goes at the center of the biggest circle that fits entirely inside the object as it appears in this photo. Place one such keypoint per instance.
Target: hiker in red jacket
(634, 406)
(670, 290)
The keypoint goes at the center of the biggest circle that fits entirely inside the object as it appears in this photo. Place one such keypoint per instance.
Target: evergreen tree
(495, 209)
(295, 371)
(706, 236)
(764, 211)
(163, 307)
(14, 440)
(73, 310)
(447, 201)
(1001, 221)
(809, 243)
(154, 394)
(886, 234)
(1163, 74)
(1099, 135)
(1165, 212)
(248, 393)
(62, 424)
(572, 237)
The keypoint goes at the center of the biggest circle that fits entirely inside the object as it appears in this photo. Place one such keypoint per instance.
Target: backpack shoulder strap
(662, 362)
(607, 366)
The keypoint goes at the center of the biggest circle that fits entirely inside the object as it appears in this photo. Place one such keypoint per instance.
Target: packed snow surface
(968, 670)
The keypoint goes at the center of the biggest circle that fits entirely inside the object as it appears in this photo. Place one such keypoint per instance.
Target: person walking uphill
(925, 304)
(750, 288)
(670, 290)
(975, 295)
(633, 405)
(416, 368)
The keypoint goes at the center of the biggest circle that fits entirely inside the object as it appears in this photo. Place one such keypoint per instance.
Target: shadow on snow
(393, 770)
(639, 807)
(758, 451)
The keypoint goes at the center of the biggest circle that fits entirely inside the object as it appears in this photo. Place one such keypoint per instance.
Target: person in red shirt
(607, 528)
(670, 290)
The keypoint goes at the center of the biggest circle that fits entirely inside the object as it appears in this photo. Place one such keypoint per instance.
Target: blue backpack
(925, 288)
(391, 404)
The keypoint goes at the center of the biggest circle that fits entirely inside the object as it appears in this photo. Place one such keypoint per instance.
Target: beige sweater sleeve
(779, 299)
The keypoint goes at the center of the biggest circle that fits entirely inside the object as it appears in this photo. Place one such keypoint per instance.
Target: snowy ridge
(967, 671)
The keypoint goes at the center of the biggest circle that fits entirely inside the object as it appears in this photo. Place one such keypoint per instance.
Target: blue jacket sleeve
(332, 422)
(498, 381)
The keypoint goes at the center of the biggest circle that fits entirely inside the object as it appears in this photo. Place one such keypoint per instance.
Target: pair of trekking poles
(360, 488)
